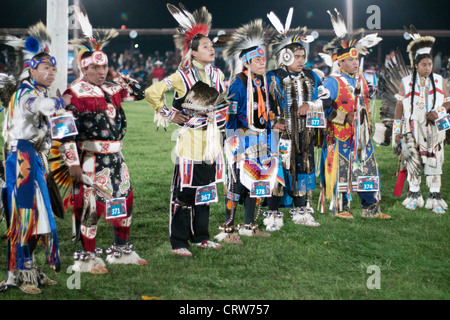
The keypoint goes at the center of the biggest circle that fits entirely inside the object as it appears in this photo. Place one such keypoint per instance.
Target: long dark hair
(195, 41)
(417, 60)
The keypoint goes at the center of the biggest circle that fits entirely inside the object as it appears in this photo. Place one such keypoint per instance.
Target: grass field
(410, 253)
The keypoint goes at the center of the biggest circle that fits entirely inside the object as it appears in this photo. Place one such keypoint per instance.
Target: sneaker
(230, 237)
(88, 262)
(373, 212)
(208, 244)
(47, 281)
(99, 270)
(182, 252)
(123, 254)
(438, 210)
(273, 220)
(272, 228)
(380, 215)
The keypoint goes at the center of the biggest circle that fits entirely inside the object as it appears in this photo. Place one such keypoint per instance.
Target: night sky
(233, 13)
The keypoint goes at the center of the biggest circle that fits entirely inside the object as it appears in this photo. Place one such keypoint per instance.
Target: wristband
(397, 126)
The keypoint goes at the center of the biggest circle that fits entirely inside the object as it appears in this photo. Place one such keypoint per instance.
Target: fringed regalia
(348, 159)
(106, 190)
(422, 140)
(252, 169)
(199, 164)
(101, 124)
(288, 92)
(26, 197)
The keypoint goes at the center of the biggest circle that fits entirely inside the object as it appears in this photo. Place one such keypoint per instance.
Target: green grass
(295, 263)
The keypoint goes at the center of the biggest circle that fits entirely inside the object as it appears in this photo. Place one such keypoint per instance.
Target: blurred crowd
(145, 69)
(153, 68)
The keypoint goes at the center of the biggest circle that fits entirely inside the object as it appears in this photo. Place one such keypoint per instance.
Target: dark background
(233, 13)
(229, 14)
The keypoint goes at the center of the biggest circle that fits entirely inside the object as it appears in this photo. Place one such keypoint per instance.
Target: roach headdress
(92, 41)
(247, 42)
(347, 44)
(419, 44)
(190, 24)
(25, 52)
(285, 37)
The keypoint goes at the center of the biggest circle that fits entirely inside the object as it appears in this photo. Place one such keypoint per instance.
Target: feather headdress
(92, 41)
(39, 40)
(285, 37)
(190, 24)
(347, 44)
(419, 44)
(251, 35)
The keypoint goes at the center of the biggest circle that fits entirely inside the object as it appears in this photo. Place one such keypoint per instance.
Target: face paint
(44, 71)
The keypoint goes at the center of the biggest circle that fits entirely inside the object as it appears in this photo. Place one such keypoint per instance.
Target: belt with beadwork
(100, 146)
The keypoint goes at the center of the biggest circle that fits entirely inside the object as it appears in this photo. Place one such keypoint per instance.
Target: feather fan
(396, 69)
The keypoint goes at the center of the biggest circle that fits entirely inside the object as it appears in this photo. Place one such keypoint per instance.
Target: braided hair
(417, 60)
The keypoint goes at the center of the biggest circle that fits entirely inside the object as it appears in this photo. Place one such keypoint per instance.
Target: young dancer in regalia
(420, 122)
(102, 186)
(297, 98)
(26, 197)
(349, 163)
(199, 110)
(252, 168)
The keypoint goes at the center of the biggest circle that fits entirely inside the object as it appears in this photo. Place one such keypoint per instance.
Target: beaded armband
(166, 113)
(399, 97)
(168, 83)
(397, 127)
(69, 154)
(441, 111)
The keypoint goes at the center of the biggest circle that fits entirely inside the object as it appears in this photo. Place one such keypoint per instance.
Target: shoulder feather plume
(395, 71)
